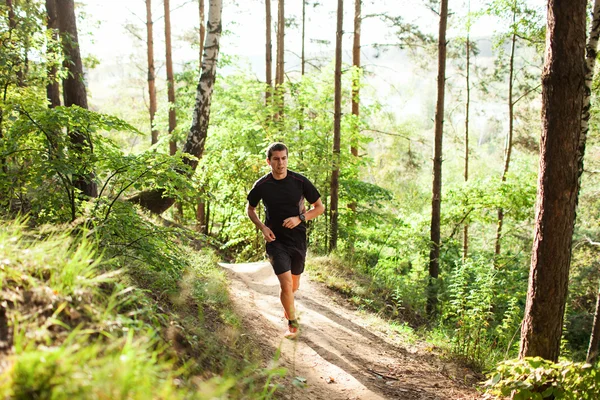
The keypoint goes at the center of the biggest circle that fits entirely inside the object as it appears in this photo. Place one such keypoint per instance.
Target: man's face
(278, 162)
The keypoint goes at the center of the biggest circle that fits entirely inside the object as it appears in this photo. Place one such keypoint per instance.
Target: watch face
(302, 217)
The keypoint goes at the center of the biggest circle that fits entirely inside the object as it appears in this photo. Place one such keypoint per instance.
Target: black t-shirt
(282, 199)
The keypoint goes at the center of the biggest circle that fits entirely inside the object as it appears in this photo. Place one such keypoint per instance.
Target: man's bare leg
(295, 282)
(286, 282)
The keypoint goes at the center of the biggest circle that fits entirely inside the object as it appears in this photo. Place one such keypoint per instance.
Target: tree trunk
(590, 63)
(592, 353)
(302, 56)
(563, 81)
(436, 200)
(151, 74)
(202, 29)
(509, 137)
(356, 64)
(355, 107)
(74, 92)
(170, 79)
(302, 62)
(155, 200)
(201, 225)
(52, 87)
(279, 68)
(268, 54)
(337, 117)
(467, 108)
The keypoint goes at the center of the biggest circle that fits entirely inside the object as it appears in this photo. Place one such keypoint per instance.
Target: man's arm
(266, 231)
(313, 213)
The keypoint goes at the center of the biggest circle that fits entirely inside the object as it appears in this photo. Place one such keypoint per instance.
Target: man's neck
(279, 177)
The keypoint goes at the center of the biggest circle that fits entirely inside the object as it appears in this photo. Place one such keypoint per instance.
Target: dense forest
(455, 144)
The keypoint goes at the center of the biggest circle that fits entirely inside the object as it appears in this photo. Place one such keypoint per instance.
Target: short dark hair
(277, 146)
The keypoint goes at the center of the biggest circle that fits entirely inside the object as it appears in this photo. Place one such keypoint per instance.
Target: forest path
(338, 354)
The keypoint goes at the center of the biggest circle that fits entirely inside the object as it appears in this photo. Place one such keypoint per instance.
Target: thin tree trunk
(52, 87)
(74, 92)
(356, 64)
(337, 116)
(302, 62)
(467, 107)
(563, 81)
(279, 68)
(151, 74)
(355, 105)
(268, 54)
(509, 137)
(170, 79)
(201, 224)
(202, 29)
(590, 63)
(303, 59)
(436, 200)
(155, 200)
(592, 353)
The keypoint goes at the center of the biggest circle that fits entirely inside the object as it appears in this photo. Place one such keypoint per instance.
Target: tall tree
(511, 112)
(337, 117)
(436, 199)
(74, 92)
(155, 200)
(302, 55)
(563, 81)
(279, 67)
(202, 30)
(268, 53)
(201, 214)
(52, 87)
(151, 74)
(467, 109)
(170, 78)
(356, 64)
(591, 54)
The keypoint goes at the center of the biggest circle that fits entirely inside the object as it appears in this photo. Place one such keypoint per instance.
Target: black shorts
(284, 257)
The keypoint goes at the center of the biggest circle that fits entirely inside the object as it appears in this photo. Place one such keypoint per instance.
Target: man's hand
(291, 222)
(268, 234)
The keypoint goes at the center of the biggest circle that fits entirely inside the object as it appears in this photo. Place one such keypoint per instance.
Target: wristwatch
(302, 217)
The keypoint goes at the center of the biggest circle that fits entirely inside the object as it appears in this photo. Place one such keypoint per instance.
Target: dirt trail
(339, 355)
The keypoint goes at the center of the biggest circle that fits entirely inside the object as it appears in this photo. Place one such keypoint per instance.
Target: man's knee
(295, 282)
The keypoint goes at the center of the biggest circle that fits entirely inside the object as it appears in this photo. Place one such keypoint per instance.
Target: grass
(81, 325)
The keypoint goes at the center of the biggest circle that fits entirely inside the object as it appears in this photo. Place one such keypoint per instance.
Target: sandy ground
(338, 355)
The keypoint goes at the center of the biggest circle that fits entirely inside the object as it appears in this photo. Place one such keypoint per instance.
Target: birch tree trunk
(52, 87)
(563, 81)
(201, 220)
(590, 64)
(155, 200)
(337, 116)
(436, 200)
(151, 73)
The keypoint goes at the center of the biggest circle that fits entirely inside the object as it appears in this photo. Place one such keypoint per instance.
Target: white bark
(197, 136)
(590, 63)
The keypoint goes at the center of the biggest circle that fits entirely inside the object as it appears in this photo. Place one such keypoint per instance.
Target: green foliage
(536, 378)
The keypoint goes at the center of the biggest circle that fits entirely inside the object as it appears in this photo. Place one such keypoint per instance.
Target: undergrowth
(147, 318)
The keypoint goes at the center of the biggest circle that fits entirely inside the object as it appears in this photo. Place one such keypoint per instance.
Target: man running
(283, 193)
